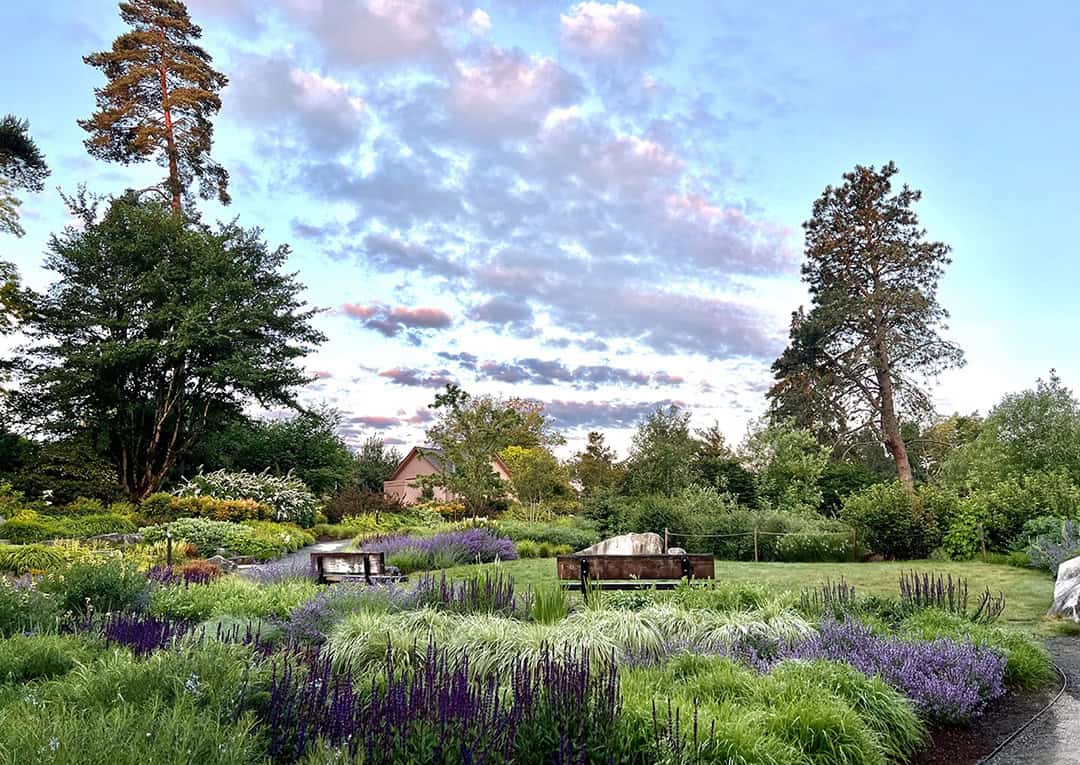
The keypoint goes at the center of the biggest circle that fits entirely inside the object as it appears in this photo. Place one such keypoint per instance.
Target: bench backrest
(353, 563)
(648, 567)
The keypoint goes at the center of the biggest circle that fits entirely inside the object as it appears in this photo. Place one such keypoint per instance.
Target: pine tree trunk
(890, 425)
(170, 143)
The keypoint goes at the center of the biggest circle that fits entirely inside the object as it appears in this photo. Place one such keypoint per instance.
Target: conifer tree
(22, 166)
(159, 99)
(859, 359)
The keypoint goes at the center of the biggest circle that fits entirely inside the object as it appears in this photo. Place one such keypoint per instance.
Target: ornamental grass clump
(557, 709)
(948, 681)
(449, 548)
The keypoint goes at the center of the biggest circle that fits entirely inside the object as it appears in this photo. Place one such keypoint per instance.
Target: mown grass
(1028, 593)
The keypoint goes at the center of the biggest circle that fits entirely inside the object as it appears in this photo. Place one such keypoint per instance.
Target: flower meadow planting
(268, 666)
(443, 550)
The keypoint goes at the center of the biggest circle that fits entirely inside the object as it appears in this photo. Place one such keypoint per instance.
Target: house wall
(416, 467)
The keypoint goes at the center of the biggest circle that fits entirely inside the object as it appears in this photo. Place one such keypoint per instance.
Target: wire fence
(757, 533)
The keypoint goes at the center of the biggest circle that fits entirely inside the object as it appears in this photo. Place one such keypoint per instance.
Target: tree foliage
(154, 326)
(787, 462)
(469, 434)
(662, 453)
(596, 468)
(858, 361)
(306, 444)
(537, 476)
(159, 98)
(22, 166)
(374, 464)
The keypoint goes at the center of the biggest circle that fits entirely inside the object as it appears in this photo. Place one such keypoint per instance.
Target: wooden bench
(628, 572)
(341, 566)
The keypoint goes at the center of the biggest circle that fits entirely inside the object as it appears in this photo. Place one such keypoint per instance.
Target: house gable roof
(433, 456)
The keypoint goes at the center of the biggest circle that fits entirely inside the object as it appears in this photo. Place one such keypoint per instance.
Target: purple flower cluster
(279, 570)
(462, 547)
(307, 623)
(491, 593)
(169, 575)
(553, 711)
(948, 682)
(142, 633)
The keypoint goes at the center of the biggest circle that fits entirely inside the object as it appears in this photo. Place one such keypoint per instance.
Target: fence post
(666, 540)
(982, 542)
(755, 545)
(168, 547)
(854, 546)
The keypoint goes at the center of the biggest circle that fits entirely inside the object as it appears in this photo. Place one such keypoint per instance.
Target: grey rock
(119, 539)
(628, 544)
(222, 562)
(1067, 590)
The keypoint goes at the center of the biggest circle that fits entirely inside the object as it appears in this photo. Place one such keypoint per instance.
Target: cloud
(359, 32)
(390, 253)
(275, 96)
(379, 422)
(618, 30)
(418, 378)
(508, 91)
(600, 414)
(392, 321)
(479, 22)
(554, 372)
(505, 312)
(466, 360)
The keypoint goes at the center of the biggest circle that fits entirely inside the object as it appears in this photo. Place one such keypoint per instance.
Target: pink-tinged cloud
(663, 378)
(429, 318)
(354, 311)
(378, 422)
(418, 378)
(391, 321)
(322, 374)
(610, 30)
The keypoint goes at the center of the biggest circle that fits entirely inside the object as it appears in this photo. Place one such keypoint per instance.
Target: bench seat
(358, 565)
(626, 572)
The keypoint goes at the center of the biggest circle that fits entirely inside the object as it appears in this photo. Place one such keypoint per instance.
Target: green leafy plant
(105, 586)
(290, 499)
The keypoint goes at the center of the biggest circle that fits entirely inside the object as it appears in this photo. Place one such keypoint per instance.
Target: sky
(598, 205)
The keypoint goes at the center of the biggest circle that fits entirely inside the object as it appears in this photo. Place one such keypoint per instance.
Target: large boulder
(222, 562)
(1067, 590)
(628, 544)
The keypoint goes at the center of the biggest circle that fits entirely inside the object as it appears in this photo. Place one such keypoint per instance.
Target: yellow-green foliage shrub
(163, 508)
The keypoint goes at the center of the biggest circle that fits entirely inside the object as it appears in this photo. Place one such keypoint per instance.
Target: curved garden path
(299, 559)
(1053, 739)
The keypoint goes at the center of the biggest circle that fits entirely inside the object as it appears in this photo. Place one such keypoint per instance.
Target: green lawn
(1028, 593)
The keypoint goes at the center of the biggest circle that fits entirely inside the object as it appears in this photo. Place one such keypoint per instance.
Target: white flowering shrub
(291, 500)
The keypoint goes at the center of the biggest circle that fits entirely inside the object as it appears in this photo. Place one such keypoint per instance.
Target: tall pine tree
(859, 360)
(159, 98)
(22, 166)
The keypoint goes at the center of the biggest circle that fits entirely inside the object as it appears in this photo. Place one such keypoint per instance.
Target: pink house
(420, 462)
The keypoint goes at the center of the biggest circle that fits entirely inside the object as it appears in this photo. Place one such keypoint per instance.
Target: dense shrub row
(28, 526)
(263, 540)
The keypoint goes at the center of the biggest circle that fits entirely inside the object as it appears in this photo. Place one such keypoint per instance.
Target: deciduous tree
(662, 453)
(159, 99)
(859, 360)
(156, 325)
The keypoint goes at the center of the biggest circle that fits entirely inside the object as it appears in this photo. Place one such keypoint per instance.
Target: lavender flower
(488, 593)
(464, 546)
(948, 682)
(279, 571)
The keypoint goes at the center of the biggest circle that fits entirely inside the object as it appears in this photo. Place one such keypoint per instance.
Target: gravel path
(299, 560)
(1053, 739)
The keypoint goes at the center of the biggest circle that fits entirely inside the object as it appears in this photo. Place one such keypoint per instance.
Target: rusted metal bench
(342, 566)
(629, 572)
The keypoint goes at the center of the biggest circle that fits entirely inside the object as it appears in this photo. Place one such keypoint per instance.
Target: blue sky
(598, 204)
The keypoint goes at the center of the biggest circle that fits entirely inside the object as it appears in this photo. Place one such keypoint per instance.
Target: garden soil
(1053, 739)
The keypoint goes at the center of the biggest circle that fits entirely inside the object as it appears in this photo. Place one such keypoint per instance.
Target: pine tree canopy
(159, 99)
